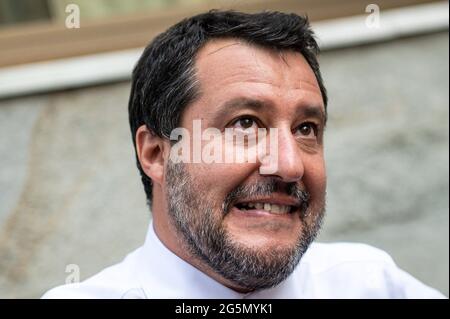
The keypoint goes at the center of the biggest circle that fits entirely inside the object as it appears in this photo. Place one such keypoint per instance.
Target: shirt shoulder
(119, 281)
(353, 270)
(326, 256)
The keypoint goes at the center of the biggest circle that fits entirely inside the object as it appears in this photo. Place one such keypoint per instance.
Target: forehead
(224, 64)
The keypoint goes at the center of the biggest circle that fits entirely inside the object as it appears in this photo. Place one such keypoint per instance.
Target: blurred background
(70, 191)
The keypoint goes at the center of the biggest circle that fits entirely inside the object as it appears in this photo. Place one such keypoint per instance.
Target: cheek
(217, 180)
(315, 178)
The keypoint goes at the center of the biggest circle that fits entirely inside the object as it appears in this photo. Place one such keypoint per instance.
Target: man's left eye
(307, 129)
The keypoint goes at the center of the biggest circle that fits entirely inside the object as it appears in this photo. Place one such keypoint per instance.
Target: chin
(262, 241)
(263, 232)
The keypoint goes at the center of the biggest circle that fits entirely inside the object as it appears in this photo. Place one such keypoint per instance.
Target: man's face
(249, 226)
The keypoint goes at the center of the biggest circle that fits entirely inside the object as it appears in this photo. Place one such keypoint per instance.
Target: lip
(277, 199)
(258, 213)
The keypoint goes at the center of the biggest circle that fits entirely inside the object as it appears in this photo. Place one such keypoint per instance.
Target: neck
(174, 242)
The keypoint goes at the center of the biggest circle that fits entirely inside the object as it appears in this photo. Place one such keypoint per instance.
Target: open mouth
(277, 209)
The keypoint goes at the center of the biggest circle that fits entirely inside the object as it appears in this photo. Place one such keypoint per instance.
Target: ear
(150, 152)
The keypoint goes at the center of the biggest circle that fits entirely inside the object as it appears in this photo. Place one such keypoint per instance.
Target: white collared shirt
(340, 270)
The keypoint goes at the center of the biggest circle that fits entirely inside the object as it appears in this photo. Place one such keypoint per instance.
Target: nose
(285, 158)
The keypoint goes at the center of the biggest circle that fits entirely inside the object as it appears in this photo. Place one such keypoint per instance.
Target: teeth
(276, 209)
(272, 208)
(286, 209)
(279, 209)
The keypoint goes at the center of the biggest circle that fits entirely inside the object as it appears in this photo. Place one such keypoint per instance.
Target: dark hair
(163, 80)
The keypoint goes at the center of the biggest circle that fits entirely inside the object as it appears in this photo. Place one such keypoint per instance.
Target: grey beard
(207, 240)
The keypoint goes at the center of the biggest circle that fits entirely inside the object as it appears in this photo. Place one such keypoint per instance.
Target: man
(228, 228)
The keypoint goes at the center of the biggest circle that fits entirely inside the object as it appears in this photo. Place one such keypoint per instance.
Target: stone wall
(70, 192)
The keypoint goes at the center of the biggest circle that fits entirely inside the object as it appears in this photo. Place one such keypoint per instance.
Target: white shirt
(340, 270)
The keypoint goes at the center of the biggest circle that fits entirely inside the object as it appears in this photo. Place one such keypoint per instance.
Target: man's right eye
(245, 123)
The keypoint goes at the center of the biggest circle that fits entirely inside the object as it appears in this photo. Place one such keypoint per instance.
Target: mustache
(266, 188)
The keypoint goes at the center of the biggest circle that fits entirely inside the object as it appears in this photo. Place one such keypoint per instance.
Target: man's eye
(307, 129)
(245, 123)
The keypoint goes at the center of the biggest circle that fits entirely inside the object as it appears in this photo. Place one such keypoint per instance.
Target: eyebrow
(314, 112)
(241, 103)
(257, 105)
